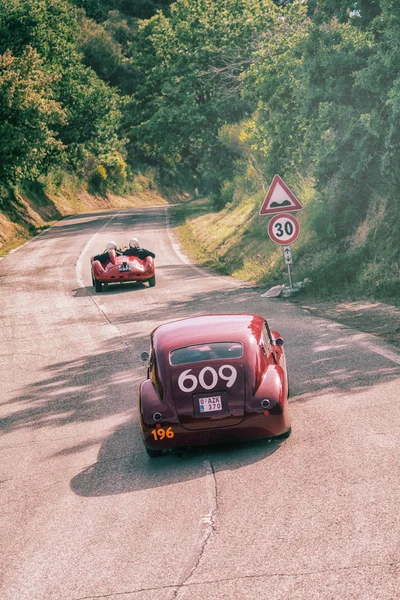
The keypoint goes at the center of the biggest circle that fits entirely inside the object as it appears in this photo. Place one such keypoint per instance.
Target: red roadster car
(213, 379)
(121, 269)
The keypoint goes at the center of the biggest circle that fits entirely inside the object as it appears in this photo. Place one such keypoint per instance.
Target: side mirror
(145, 356)
(279, 342)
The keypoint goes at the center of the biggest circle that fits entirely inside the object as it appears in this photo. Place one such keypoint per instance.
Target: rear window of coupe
(212, 351)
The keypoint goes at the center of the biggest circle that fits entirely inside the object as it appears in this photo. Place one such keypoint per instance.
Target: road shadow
(321, 360)
(125, 222)
(84, 389)
(123, 466)
(116, 288)
(164, 274)
(123, 288)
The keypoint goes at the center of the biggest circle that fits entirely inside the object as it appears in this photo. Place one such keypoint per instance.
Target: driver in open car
(135, 250)
(104, 257)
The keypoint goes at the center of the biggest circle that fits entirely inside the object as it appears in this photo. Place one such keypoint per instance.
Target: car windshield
(214, 350)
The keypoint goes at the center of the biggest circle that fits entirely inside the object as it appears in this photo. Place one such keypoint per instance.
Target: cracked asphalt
(85, 514)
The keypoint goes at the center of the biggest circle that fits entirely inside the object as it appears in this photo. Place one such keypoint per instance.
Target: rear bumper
(252, 427)
(113, 275)
(124, 277)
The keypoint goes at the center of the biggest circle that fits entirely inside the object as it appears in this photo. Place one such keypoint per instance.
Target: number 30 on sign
(283, 229)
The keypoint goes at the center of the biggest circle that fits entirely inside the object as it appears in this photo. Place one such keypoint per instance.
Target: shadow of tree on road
(152, 218)
(85, 389)
(322, 360)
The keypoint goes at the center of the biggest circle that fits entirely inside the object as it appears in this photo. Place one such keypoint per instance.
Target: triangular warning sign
(279, 199)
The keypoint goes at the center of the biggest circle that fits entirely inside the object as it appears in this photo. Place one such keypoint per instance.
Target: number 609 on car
(188, 382)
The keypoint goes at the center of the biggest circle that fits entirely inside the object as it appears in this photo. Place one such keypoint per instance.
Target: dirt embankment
(25, 213)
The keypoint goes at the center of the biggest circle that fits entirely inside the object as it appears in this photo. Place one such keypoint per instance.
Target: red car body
(122, 269)
(213, 379)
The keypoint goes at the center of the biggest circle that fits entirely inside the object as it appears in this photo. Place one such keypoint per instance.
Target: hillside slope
(27, 210)
(234, 241)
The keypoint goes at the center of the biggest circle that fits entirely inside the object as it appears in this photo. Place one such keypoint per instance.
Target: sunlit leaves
(193, 64)
(29, 116)
(50, 100)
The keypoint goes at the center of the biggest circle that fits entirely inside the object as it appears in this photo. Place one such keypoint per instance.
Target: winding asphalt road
(85, 514)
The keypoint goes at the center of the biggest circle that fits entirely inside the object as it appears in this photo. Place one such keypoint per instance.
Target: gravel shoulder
(377, 318)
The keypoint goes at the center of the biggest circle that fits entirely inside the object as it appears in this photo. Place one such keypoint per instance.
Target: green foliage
(109, 175)
(105, 49)
(93, 114)
(141, 9)
(358, 12)
(380, 82)
(29, 116)
(98, 179)
(380, 279)
(189, 67)
(48, 26)
(50, 100)
(116, 170)
(332, 269)
(100, 51)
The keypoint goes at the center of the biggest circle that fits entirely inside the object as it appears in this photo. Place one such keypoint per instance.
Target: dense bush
(53, 108)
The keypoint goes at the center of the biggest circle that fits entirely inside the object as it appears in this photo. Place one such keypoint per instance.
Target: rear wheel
(153, 453)
(98, 286)
(152, 281)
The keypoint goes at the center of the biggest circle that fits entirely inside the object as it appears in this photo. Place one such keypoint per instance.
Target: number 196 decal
(160, 434)
(188, 382)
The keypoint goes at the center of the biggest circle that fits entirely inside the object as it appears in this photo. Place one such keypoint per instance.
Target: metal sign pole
(290, 277)
(287, 256)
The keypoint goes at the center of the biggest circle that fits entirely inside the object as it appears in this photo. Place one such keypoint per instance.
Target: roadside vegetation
(211, 99)
(32, 206)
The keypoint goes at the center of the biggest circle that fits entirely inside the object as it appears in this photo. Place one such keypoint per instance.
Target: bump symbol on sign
(279, 199)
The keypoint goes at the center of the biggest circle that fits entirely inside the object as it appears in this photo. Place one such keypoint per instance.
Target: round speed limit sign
(283, 229)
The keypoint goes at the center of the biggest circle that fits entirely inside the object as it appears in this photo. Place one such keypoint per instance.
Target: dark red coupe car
(212, 379)
(122, 269)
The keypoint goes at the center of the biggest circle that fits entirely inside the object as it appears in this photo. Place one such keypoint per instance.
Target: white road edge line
(79, 262)
(368, 340)
(176, 248)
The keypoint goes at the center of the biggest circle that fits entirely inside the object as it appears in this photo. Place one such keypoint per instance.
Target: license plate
(210, 404)
(124, 267)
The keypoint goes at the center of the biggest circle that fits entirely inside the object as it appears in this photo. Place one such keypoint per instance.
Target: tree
(49, 26)
(359, 12)
(63, 86)
(140, 9)
(379, 81)
(29, 117)
(184, 62)
(103, 53)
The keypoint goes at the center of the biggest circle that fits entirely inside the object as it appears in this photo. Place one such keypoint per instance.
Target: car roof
(208, 328)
